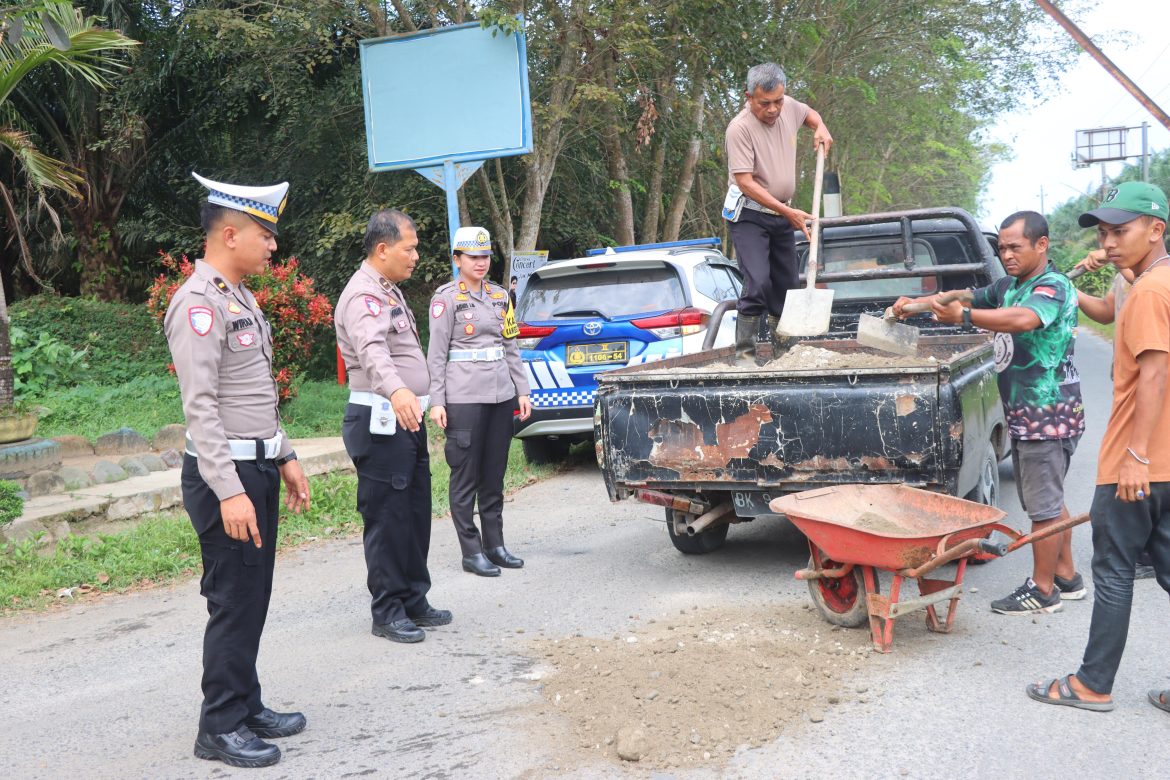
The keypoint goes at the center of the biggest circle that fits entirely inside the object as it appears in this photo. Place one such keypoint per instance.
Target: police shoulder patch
(201, 319)
(373, 305)
(437, 309)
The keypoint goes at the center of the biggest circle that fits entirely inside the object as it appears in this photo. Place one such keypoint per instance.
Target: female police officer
(476, 376)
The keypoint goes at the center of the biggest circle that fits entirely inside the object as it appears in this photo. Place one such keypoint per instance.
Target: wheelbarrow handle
(1044, 533)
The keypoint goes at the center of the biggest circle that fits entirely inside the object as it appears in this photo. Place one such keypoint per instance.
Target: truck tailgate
(691, 423)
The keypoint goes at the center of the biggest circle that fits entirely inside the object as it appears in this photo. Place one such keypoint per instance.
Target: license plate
(601, 353)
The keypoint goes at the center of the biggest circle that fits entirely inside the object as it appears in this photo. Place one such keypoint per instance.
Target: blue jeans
(1121, 531)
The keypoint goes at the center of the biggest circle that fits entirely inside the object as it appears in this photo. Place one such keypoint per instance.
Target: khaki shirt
(768, 153)
(222, 349)
(462, 319)
(378, 337)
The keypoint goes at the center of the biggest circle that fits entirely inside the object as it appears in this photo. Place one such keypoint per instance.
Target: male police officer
(384, 432)
(222, 349)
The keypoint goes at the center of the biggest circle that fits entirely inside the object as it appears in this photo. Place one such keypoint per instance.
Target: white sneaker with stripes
(1028, 600)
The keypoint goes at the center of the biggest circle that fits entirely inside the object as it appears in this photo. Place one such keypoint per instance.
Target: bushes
(11, 504)
(43, 363)
(120, 340)
(297, 313)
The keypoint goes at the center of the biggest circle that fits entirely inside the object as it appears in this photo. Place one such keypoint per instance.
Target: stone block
(171, 437)
(75, 478)
(21, 529)
(104, 471)
(74, 446)
(44, 483)
(173, 458)
(124, 441)
(134, 467)
(152, 462)
(25, 458)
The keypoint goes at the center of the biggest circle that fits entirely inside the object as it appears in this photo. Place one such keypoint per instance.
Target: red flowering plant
(294, 309)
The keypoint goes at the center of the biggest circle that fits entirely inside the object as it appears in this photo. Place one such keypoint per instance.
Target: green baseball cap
(1126, 202)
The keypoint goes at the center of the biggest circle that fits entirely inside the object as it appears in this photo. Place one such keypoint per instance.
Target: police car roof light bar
(714, 241)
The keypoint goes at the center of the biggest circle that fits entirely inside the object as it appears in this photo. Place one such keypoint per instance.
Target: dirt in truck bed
(851, 355)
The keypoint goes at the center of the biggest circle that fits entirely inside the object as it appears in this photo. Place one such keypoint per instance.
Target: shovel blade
(806, 312)
(887, 335)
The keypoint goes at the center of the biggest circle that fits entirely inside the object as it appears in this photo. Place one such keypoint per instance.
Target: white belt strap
(748, 203)
(366, 398)
(245, 449)
(476, 355)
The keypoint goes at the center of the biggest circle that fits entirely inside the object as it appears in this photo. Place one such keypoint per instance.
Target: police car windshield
(611, 293)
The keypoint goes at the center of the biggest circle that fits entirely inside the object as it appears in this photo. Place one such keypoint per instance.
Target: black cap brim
(269, 226)
(1108, 216)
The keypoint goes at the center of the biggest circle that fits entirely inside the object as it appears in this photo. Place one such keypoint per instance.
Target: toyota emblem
(592, 328)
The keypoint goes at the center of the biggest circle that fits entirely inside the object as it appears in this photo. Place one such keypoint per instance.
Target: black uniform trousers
(766, 250)
(237, 583)
(394, 500)
(478, 437)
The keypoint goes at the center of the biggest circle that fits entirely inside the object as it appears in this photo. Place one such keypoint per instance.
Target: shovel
(806, 312)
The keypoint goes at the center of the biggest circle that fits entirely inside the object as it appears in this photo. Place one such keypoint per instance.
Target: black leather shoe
(432, 617)
(404, 631)
(236, 748)
(501, 557)
(267, 724)
(479, 564)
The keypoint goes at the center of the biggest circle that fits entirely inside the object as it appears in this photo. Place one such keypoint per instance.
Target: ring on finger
(1141, 494)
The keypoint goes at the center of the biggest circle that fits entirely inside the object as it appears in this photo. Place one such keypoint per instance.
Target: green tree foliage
(630, 101)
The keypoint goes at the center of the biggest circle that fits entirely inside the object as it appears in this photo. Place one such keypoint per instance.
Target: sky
(1042, 135)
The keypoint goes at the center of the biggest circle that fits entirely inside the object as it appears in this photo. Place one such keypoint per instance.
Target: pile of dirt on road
(693, 688)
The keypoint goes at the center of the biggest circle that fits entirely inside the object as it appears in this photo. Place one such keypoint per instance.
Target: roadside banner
(524, 264)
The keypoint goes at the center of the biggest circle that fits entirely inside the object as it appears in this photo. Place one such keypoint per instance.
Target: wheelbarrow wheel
(841, 600)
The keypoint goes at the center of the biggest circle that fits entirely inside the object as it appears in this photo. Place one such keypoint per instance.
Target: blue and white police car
(612, 308)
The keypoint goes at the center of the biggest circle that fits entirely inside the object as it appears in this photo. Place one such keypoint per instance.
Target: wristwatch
(285, 459)
(967, 317)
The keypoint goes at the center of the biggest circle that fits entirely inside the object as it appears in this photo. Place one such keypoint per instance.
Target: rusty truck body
(713, 441)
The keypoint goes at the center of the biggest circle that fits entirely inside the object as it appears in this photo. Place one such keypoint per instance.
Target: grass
(1105, 331)
(147, 403)
(163, 548)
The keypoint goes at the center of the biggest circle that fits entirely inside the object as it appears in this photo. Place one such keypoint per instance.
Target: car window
(611, 293)
(877, 254)
(711, 281)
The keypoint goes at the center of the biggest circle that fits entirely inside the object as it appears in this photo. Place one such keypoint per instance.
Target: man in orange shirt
(1131, 506)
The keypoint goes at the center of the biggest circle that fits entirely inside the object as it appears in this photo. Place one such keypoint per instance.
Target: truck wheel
(700, 544)
(541, 449)
(986, 492)
(841, 600)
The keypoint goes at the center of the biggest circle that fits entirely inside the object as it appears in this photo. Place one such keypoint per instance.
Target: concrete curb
(54, 516)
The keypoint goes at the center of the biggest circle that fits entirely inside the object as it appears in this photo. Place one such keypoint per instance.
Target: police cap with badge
(263, 204)
(472, 241)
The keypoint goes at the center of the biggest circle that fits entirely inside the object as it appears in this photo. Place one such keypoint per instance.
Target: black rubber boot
(746, 328)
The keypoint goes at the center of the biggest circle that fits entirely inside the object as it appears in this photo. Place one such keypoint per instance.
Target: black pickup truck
(714, 441)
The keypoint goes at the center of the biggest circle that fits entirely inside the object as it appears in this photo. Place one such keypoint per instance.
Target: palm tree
(32, 34)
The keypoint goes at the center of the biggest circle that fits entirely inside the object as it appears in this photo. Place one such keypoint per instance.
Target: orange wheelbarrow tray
(854, 530)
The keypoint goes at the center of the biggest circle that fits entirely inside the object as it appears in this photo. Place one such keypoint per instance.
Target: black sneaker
(1028, 600)
(1071, 589)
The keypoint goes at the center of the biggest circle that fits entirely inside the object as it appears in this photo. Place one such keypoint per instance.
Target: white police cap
(263, 204)
(472, 241)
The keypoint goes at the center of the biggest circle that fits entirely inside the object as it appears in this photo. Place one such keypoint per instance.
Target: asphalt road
(110, 689)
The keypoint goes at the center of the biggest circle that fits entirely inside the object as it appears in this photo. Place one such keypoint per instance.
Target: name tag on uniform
(382, 419)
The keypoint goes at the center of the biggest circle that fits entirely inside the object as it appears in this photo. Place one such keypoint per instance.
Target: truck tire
(841, 600)
(986, 492)
(541, 449)
(700, 544)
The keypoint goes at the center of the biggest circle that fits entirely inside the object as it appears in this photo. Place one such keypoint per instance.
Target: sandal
(1160, 699)
(1068, 697)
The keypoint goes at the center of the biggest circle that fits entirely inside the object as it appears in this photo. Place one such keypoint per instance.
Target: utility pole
(1146, 152)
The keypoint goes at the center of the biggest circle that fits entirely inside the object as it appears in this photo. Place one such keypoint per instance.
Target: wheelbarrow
(855, 530)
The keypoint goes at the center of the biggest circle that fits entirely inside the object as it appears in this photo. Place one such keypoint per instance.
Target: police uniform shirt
(465, 320)
(378, 337)
(222, 348)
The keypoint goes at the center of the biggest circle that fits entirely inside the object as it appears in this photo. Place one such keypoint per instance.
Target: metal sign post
(420, 90)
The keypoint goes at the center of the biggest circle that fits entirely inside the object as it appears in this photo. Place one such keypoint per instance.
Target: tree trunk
(686, 176)
(615, 157)
(653, 212)
(99, 250)
(549, 133)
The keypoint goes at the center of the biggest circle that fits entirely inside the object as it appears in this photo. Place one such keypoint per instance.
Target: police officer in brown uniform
(384, 429)
(477, 380)
(237, 454)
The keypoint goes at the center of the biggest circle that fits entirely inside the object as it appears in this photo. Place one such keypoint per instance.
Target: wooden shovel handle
(814, 241)
(966, 296)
